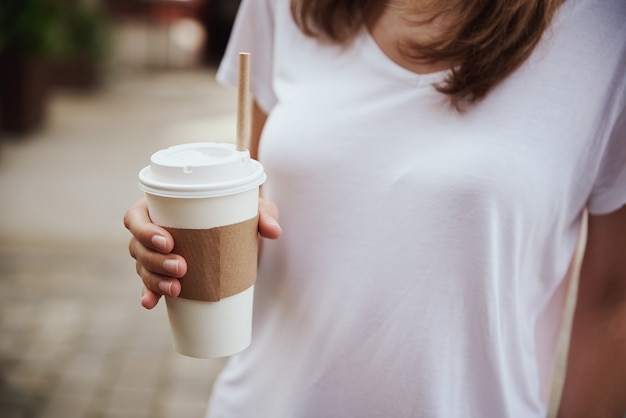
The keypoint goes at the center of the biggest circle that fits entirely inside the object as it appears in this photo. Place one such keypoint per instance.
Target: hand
(152, 247)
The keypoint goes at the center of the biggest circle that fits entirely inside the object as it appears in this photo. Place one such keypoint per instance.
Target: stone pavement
(74, 340)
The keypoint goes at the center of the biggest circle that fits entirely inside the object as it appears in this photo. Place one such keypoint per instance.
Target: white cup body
(211, 329)
(208, 329)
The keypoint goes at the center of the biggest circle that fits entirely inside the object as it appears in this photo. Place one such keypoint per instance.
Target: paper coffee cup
(206, 195)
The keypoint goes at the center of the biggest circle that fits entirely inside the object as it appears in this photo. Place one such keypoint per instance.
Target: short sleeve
(253, 32)
(609, 192)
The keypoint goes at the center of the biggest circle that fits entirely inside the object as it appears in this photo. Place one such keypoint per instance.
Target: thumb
(268, 220)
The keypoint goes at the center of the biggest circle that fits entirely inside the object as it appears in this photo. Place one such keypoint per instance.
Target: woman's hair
(485, 39)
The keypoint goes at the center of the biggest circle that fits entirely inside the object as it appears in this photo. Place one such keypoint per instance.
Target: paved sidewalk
(74, 341)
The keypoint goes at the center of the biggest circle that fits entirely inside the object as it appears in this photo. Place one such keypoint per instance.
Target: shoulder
(264, 20)
(593, 23)
(584, 50)
(259, 28)
(262, 9)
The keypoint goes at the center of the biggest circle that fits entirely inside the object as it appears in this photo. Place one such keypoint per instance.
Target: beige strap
(221, 261)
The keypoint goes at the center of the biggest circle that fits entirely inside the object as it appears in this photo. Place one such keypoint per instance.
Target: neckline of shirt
(378, 57)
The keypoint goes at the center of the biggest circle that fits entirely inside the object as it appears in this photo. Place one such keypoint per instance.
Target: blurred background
(89, 89)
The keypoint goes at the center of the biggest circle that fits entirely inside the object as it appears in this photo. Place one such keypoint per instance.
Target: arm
(595, 382)
(152, 245)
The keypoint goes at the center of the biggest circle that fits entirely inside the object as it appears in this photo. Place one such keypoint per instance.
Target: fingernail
(159, 242)
(165, 286)
(171, 266)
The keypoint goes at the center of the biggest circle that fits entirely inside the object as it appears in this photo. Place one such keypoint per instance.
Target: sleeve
(609, 191)
(253, 32)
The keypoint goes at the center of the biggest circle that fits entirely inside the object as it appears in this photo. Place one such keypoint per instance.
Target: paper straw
(243, 105)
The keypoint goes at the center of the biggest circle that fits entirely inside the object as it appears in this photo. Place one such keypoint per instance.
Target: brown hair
(487, 40)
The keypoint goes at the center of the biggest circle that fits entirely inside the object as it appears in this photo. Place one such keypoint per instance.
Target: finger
(268, 220)
(149, 299)
(172, 265)
(157, 284)
(137, 221)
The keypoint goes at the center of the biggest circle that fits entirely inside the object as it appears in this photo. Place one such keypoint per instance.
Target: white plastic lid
(204, 169)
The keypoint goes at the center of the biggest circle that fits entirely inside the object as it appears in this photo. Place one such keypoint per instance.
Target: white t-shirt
(423, 261)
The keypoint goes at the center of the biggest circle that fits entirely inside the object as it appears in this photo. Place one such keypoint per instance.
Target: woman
(432, 162)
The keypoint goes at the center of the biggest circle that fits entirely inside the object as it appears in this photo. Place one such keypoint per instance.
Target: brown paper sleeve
(221, 261)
